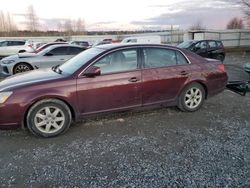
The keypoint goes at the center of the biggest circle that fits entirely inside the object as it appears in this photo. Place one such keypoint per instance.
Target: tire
(48, 118)
(220, 57)
(22, 67)
(191, 98)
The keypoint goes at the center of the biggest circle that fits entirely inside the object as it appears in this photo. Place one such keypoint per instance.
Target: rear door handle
(62, 59)
(133, 79)
(184, 73)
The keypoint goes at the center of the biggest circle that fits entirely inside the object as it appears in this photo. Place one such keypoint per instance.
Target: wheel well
(70, 108)
(205, 88)
(199, 82)
(32, 68)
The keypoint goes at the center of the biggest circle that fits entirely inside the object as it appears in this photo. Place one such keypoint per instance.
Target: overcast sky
(128, 14)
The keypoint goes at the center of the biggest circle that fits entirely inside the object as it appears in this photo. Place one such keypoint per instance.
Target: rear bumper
(217, 85)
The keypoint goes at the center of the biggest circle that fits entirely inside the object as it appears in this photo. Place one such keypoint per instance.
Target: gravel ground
(152, 148)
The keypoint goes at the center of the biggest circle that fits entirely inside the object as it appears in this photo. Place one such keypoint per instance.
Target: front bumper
(5, 69)
(11, 116)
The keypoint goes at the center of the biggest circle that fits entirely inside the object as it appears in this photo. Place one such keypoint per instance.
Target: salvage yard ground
(153, 148)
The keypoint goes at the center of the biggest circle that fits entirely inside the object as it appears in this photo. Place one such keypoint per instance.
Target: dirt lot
(154, 148)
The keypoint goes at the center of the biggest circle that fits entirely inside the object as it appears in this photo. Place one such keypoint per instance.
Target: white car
(11, 47)
(49, 57)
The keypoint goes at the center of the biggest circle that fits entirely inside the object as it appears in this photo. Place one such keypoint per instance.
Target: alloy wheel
(193, 97)
(49, 119)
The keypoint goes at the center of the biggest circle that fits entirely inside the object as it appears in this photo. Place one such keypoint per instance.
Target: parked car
(205, 48)
(49, 57)
(143, 39)
(105, 79)
(98, 43)
(40, 48)
(80, 43)
(11, 47)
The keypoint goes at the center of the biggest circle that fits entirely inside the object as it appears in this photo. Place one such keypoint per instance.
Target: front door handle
(133, 79)
(62, 59)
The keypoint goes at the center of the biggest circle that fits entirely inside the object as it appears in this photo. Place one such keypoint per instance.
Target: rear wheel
(22, 67)
(49, 118)
(191, 98)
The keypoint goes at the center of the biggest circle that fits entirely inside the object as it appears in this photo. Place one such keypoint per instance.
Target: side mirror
(48, 54)
(92, 71)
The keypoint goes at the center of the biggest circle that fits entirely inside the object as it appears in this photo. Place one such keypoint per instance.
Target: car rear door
(164, 74)
(117, 88)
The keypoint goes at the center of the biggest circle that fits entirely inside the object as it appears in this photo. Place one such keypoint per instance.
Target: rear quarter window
(212, 44)
(181, 60)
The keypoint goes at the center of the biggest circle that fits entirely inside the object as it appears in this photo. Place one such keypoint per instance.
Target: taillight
(221, 67)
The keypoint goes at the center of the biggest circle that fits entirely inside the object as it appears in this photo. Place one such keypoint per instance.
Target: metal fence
(230, 38)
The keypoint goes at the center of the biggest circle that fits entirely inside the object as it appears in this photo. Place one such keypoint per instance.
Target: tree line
(77, 27)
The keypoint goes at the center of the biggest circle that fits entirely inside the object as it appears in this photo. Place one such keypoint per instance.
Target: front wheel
(191, 98)
(22, 67)
(49, 118)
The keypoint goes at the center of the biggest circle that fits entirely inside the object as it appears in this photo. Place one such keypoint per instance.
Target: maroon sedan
(108, 78)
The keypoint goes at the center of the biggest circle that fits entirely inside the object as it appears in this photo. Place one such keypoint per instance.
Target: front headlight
(7, 61)
(4, 96)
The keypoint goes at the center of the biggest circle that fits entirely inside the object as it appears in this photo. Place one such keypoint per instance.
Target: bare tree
(2, 21)
(68, 26)
(235, 23)
(246, 9)
(6, 22)
(32, 19)
(80, 25)
(197, 26)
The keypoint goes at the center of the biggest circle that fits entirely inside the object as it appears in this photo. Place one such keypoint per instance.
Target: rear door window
(75, 50)
(16, 43)
(159, 57)
(59, 51)
(212, 44)
(181, 60)
(201, 45)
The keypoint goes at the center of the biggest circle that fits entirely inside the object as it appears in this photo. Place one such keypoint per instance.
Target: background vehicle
(143, 40)
(205, 48)
(107, 79)
(98, 43)
(49, 57)
(80, 43)
(11, 47)
(47, 45)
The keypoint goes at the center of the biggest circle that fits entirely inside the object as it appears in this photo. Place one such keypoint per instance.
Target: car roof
(63, 45)
(122, 45)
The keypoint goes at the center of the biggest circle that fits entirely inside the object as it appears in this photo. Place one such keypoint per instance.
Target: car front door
(164, 74)
(118, 87)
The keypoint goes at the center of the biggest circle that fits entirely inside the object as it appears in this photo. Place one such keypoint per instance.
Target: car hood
(25, 55)
(28, 78)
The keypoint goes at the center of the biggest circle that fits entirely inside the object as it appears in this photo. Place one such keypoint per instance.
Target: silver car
(49, 57)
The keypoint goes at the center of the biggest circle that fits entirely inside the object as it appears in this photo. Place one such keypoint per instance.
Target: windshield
(185, 44)
(78, 61)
